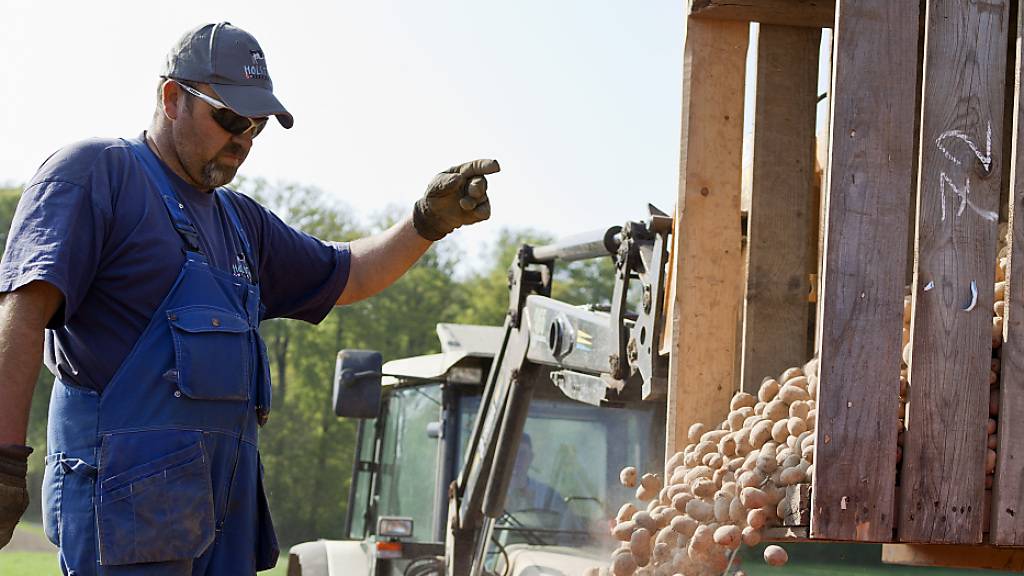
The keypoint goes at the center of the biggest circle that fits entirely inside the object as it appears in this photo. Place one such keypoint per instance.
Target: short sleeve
(300, 276)
(56, 236)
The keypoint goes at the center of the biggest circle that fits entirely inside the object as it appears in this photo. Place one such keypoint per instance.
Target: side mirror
(357, 386)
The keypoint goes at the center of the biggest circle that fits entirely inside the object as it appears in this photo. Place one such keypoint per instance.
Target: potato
(810, 469)
(728, 536)
(738, 417)
(703, 487)
(679, 501)
(993, 441)
(721, 504)
(626, 512)
(753, 497)
(623, 565)
(750, 479)
(742, 400)
(700, 510)
(769, 388)
(644, 520)
(993, 402)
(808, 453)
(698, 472)
(662, 553)
(767, 463)
(645, 494)
(789, 394)
(651, 482)
(780, 430)
(757, 518)
(624, 530)
(683, 524)
(791, 476)
(799, 409)
(802, 382)
(713, 436)
(696, 431)
(721, 476)
(737, 512)
(640, 546)
(777, 410)
(796, 426)
(791, 461)
(760, 433)
(775, 556)
(628, 476)
(990, 461)
(811, 419)
(727, 445)
(751, 537)
(759, 408)
(703, 537)
(1000, 290)
(790, 373)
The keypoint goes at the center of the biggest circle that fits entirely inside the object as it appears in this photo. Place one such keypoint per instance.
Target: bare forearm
(379, 260)
(23, 316)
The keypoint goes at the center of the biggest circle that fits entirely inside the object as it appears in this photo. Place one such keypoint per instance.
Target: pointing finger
(477, 168)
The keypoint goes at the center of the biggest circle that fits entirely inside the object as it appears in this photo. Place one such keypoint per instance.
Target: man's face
(209, 154)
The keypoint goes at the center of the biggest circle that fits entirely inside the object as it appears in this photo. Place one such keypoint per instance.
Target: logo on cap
(258, 68)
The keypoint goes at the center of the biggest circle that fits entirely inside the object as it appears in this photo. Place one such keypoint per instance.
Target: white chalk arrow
(986, 158)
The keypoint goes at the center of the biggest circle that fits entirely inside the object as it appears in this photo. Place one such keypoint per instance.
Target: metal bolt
(177, 393)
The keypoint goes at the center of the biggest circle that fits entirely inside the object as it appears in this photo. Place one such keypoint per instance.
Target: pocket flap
(206, 319)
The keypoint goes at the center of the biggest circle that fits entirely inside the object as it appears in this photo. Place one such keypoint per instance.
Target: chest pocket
(212, 348)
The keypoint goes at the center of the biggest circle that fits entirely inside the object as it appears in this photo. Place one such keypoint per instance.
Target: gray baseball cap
(231, 61)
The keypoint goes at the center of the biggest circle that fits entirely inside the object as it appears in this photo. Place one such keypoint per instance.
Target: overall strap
(175, 207)
(224, 195)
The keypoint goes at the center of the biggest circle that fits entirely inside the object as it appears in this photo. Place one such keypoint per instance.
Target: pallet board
(707, 278)
(943, 476)
(1008, 508)
(812, 13)
(783, 211)
(867, 215)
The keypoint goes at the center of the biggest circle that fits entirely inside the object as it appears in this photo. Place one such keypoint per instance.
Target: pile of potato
(729, 484)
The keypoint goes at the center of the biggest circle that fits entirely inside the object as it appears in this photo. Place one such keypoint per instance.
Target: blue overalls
(159, 474)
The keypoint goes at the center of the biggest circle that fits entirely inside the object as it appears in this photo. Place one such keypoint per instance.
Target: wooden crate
(923, 98)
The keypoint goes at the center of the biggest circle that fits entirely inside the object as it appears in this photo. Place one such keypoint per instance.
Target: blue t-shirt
(93, 224)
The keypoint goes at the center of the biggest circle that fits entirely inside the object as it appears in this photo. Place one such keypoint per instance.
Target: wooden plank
(707, 282)
(809, 13)
(1008, 506)
(783, 211)
(943, 474)
(954, 556)
(870, 166)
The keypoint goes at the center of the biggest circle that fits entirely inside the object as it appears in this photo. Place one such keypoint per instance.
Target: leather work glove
(13, 493)
(455, 197)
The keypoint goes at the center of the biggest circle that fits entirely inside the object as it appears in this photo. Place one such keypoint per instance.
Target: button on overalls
(159, 473)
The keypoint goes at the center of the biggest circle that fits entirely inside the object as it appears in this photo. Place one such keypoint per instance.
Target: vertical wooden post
(706, 254)
(870, 168)
(1007, 527)
(943, 479)
(783, 212)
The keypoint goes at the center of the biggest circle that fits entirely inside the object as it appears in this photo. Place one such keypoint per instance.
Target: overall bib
(159, 474)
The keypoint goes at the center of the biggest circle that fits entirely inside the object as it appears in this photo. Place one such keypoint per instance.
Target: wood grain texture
(954, 556)
(943, 479)
(810, 13)
(783, 211)
(707, 279)
(870, 170)
(1008, 497)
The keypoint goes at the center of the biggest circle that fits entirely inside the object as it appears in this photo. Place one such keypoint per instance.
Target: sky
(579, 100)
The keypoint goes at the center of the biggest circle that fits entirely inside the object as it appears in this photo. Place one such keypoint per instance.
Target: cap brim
(253, 101)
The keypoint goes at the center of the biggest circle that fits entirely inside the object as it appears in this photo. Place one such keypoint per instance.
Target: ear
(172, 99)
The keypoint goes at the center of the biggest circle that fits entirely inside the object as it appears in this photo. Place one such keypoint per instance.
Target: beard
(214, 173)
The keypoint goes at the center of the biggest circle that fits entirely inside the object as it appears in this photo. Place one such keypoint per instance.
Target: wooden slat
(1008, 507)
(707, 281)
(943, 479)
(810, 13)
(783, 212)
(954, 556)
(862, 301)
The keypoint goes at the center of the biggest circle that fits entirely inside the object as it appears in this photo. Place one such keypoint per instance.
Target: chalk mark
(962, 194)
(986, 158)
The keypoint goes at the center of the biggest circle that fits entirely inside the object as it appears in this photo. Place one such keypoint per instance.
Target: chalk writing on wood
(962, 192)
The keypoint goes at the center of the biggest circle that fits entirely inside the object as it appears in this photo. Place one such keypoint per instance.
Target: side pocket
(212, 352)
(159, 511)
(53, 488)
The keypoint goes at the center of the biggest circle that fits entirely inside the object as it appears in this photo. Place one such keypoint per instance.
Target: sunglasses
(225, 117)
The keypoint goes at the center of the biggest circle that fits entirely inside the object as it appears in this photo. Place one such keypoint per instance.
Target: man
(151, 281)
(527, 494)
